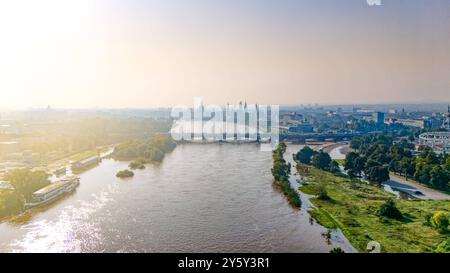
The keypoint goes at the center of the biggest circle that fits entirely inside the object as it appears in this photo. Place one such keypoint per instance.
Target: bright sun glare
(41, 47)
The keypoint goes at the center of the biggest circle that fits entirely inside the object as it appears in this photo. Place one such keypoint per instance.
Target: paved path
(413, 188)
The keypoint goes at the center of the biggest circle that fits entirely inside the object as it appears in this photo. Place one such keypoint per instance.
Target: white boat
(51, 192)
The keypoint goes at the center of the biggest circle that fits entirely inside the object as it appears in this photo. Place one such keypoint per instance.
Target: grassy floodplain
(353, 205)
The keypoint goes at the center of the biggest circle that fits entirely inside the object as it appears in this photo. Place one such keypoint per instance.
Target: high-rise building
(447, 119)
(378, 117)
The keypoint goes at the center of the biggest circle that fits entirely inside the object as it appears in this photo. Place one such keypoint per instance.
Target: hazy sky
(142, 53)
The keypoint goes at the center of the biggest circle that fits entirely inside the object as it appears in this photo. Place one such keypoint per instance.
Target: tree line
(318, 159)
(375, 156)
(148, 150)
(281, 171)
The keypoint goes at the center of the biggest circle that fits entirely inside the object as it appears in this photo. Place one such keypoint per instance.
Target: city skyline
(147, 54)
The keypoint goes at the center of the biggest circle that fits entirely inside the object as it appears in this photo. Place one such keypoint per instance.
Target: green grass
(84, 155)
(340, 161)
(323, 218)
(353, 207)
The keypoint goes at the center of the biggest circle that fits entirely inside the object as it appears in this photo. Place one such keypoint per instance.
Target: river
(201, 198)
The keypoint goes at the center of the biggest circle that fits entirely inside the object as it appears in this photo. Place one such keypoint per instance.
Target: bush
(323, 194)
(152, 150)
(337, 250)
(138, 164)
(125, 174)
(389, 210)
(439, 220)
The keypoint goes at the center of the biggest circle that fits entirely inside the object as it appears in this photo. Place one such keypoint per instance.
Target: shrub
(323, 194)
(337, 250)
(440, 220)
(125, 174)
(389, 210)
(137, 164)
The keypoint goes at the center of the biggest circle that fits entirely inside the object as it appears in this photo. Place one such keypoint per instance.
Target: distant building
(412, 122)
(432, 123)
(378, 117)
(439, 141)
(447, 119)
(302, 128)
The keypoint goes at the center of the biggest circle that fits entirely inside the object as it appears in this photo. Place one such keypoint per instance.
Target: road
(413, 188)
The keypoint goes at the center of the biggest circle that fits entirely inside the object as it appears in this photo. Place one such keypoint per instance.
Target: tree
(10, 203)
(281, 172)
(26, 181)
(440, 220)
(371, 163)
(389, 210)
(447, 164)
(280, 169)
(377, 174)
(304, 155)
(439, 177)
(334, 166)
(423, 169)
(406, 167)
(321, 160)
(282, 147)
(354, 164)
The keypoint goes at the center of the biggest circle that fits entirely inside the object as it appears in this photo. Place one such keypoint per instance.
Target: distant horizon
(443, 104)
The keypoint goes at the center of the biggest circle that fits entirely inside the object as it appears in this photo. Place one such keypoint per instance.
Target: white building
(439, 141)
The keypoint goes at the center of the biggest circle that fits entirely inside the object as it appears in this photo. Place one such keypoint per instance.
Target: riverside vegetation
(281, 171)
(142, 152)
(365, 213)
(24, 182)
(377, 155)
(125, 174)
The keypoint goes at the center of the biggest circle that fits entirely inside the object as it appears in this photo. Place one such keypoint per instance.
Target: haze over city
(80, 54)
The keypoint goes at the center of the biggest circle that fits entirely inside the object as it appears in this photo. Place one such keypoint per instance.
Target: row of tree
(61, 138)
(152, 149)
(281, 171)
(318, 159)
(376, 155)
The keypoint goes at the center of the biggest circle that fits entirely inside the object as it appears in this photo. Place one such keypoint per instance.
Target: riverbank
(12, 202)
(352, 207)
